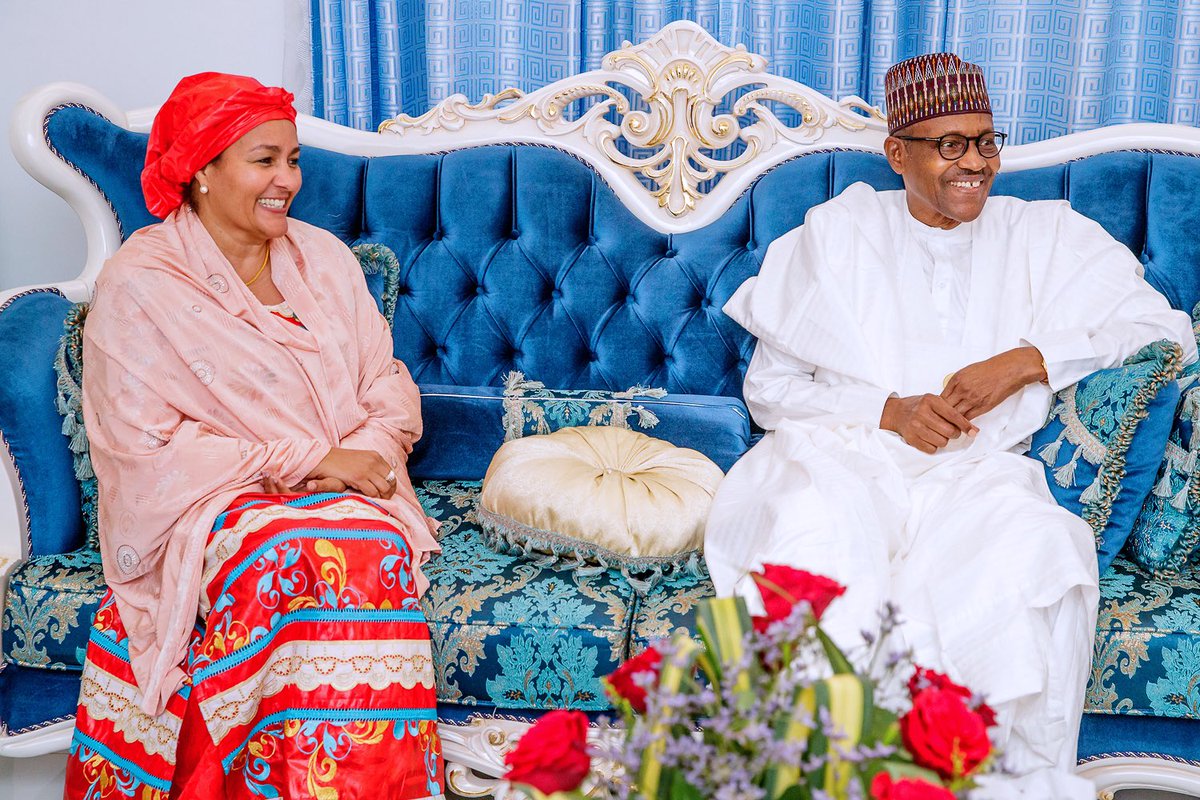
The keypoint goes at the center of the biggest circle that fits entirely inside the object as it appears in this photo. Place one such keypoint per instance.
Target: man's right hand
(926, 421)
(362, 471)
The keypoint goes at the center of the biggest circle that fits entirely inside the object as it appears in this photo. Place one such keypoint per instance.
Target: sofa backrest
(521, 257)
(527, 240)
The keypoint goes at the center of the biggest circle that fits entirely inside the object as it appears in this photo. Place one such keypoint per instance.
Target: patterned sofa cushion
(49, 607)
(1104, 440)
(1147, 651)
(512, 633)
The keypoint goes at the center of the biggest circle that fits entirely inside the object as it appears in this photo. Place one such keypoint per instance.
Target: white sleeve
(780, 387)
(1121, 312)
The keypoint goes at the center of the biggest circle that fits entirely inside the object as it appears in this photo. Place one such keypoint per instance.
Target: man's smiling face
(943, 193)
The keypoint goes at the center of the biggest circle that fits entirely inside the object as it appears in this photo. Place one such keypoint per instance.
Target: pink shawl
(193, 391)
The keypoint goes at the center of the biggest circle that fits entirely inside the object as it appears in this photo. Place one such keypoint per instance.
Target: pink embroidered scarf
(193, 391)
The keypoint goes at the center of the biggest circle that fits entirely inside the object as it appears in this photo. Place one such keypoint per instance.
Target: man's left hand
(978, 388)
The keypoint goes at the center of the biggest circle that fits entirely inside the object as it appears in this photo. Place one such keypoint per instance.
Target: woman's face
(252, 183)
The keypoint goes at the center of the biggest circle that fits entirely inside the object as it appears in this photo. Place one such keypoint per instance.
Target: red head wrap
(204, 114)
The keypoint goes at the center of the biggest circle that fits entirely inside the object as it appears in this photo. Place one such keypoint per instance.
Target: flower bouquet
(768, 707)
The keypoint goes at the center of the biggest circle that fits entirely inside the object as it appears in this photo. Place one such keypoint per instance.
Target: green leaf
(906, 769)
(671, 676)
(837, 659)
(723, 623)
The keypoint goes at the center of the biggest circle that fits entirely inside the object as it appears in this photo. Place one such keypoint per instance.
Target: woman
(249, 429)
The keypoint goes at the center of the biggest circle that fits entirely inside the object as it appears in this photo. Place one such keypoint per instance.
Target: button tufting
(591, 240)
(516, 234)
(437, 236)
(556, 294)
(479, 290)
(670, 253)
(402, 289)
(706, 302)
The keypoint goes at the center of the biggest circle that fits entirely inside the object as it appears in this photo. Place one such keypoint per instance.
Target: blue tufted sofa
(522, 243)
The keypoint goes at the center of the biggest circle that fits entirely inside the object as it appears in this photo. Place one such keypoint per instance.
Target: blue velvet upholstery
(1146, 658)
(31, 698)
(30, 327)
(464, 425)
(1104, 441)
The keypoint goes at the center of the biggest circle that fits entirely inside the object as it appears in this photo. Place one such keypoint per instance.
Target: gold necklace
(258, 274)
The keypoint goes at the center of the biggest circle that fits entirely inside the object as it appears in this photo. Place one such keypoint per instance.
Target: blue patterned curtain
(1053, 66)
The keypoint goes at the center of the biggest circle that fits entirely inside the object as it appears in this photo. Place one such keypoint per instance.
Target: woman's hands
(343, 469)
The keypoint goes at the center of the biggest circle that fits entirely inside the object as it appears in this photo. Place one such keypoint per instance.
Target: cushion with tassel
(1166, 533)
(600, 497)
(1104, 441)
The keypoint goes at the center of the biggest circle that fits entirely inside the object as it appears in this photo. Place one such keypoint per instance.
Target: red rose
(552, 756)
(882, 788)
(927, 678)
(944, 734)
(622, 683)
(782, 587)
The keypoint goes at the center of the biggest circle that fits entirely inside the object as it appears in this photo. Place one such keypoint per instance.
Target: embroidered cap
(933, 85)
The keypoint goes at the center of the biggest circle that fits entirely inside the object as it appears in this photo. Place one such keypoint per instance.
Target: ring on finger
(391, 476)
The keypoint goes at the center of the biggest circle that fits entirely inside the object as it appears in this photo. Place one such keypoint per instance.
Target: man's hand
(978, 388)
(927, 422)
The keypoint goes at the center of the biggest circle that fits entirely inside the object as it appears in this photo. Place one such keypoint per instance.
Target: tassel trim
(525, 406)
(549, 548)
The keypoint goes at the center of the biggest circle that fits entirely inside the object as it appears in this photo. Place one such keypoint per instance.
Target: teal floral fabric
(68, 369)
(530, 408)
(512, 632)
(1146, 658)
(49, 607)
(1168, 528)
(1166, 533)
(1103, 443)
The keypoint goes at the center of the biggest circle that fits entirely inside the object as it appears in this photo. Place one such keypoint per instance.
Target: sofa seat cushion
(508, 631)
(668, 608)
(1147, 650)
(49, 607)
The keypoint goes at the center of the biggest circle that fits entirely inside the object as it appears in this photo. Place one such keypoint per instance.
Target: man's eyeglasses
(953, 146)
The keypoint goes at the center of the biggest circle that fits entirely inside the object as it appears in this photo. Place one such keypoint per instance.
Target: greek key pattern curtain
(1052, 66)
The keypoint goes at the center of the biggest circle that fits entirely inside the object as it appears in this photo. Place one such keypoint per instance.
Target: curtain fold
(1052, 66)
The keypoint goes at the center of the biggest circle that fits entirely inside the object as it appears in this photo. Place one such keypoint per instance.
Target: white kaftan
(997, 584)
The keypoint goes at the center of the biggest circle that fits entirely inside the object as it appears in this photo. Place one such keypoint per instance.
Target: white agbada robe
(997, 584)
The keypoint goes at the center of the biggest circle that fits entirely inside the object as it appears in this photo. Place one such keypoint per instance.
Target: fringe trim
(377, 258)
(524, 400)
(1112, 470)
(68, 361)
(549, 548)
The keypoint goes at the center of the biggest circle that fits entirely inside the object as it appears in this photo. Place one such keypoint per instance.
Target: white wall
(134, 52)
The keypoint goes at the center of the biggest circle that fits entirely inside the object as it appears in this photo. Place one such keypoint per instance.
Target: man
(909, 344)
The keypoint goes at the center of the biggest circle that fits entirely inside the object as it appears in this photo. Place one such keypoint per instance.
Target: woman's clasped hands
(343, 469)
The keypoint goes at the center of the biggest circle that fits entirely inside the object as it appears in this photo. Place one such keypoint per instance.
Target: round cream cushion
(607, 496)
